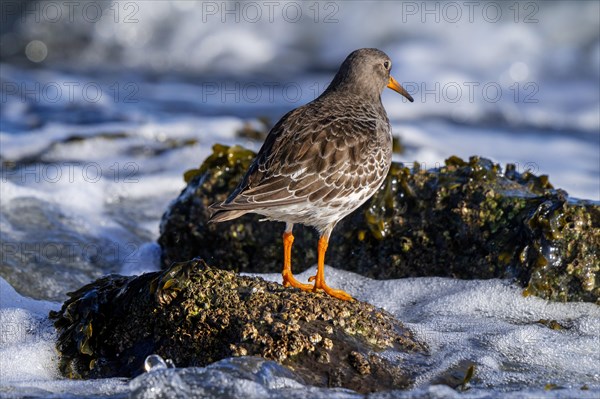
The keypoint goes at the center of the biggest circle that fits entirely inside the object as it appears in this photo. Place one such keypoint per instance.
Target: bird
(321, 161)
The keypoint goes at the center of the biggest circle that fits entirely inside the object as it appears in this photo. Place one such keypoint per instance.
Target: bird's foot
(320, 285)
(289, 280)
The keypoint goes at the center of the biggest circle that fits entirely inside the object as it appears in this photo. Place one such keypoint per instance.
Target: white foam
(492, 323)
(27, 350)
(145, 259)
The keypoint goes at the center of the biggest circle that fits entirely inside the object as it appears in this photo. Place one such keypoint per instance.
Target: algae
(195, 315)
(468, 219)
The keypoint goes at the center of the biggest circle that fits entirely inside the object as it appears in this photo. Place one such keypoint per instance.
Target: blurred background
(553, 46)
(520, 65)
(104, 105)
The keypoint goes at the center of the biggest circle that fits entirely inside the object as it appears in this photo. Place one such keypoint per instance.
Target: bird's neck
(352, 90)
(347, 100)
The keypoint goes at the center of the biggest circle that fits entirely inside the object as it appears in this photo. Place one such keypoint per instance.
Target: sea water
(94, 142)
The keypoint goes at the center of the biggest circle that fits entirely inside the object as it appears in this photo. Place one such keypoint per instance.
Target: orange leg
(319, 279)
(288, 277)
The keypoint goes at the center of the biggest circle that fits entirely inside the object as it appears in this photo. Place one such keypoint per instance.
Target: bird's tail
(219, 213)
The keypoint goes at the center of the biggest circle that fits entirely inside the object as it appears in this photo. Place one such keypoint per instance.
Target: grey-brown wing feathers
(300, 163)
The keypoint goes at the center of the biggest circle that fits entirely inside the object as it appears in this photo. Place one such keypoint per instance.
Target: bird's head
(367, 71)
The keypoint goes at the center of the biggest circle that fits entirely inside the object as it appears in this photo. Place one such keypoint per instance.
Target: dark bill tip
(394, 85)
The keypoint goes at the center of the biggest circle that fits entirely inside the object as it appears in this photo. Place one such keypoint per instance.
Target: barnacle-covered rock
(466, 219)
(195, 315)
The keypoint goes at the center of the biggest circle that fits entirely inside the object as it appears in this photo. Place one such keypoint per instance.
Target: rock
(466, 219)
(195, 315)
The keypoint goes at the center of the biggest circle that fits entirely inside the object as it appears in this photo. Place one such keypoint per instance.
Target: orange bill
(394, 85)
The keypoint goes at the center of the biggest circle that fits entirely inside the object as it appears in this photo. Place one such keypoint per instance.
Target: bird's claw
(320, 285)
(289, 280)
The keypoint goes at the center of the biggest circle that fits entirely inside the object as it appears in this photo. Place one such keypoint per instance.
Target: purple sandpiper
(322, 160)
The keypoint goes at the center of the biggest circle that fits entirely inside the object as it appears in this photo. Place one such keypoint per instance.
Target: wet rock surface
(195, 315)
(467, 219)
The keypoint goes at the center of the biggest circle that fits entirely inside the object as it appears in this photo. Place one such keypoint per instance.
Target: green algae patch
(195, 315)
(468, 219)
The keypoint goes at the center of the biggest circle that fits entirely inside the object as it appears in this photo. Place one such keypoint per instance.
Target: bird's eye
(386, 65)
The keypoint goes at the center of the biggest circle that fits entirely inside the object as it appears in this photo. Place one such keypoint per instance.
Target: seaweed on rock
(195, 315)
(466, 219)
